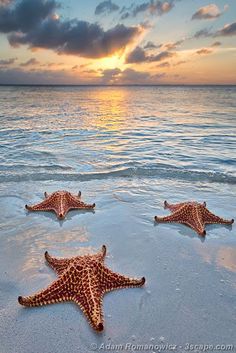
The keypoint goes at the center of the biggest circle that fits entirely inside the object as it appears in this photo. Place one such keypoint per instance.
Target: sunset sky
(117, 42)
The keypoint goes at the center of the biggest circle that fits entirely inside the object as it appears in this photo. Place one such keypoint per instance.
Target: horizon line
(121, 85)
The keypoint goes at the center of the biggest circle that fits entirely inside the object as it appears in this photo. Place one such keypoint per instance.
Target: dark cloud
(77, 38)
(106, 6)
(128, 77)
(30, 62)
(204, 51)
(22, 76)
(110, 75)
(180, 62)
(151, 45)
(25, 15)
(139, 55)
(7, 61)
(202, 33)
(166, 46)
(34, 23)
(125, 15)
(207, 12)
(216, 44)
(153, 7)
(165, 64)
(227, 31)
(162, 56)
(174, 45)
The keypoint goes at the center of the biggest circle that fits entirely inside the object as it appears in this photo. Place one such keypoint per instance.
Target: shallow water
(127, 149)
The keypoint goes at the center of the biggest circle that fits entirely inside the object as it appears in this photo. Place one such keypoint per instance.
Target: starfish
(60, 202)
(84, 280)
(193, 214)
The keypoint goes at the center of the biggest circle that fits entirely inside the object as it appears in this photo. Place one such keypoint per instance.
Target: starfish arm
(58, 265)
(42, 206)
(173, 207)
(111, 281)
(77, 204)
(177, 216)
(210, 218)
(54, 293)
(89, 298)
(100, 256)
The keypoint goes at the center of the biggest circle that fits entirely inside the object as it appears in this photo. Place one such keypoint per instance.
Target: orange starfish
(60, 202)
(84, 280)
(193, 214)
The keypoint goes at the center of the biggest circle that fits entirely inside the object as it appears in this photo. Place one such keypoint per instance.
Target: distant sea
(128, 149)
(83, 133)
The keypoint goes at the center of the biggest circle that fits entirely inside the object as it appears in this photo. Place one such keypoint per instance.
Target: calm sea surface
(128, 149)
(81, 133)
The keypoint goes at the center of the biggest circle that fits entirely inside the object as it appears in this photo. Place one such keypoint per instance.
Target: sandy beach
(189, 294)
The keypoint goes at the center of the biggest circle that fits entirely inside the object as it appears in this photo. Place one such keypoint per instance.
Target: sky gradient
(117, 42)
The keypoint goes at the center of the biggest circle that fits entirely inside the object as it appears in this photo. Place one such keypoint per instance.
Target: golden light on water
(222, 257)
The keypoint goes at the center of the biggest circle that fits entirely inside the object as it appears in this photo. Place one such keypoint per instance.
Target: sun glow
(111, 62)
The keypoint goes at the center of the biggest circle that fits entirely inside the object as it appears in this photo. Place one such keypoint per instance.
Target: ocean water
(127, 149)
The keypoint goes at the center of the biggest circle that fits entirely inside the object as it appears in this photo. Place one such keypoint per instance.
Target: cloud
(227, 31)
(106, 6)
(34, 23)
(173, 45)
(207, 12)
(152, 7)
(131, 76)
(139, 55)
(7, 61)
(162, 56)
(151, 45)
(166, 46)
(77, 38)
(128, 76)
(30, 62)
(25, 15)
(216, 44)
(165, 64)
(202, 33)
(180, 62)
(22, 76)
(204, 51)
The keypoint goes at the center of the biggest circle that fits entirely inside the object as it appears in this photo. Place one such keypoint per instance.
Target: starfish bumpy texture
(84, 280)
(193, 214)
(60, 202)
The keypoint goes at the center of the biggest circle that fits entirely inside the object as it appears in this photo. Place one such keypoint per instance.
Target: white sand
(189, 296)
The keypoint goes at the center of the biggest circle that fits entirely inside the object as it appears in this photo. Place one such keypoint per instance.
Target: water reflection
(35, 241)
(221, 256)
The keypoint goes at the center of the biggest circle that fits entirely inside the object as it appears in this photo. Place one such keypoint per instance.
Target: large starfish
(60, 202)
(193, 214)
(84, 280)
